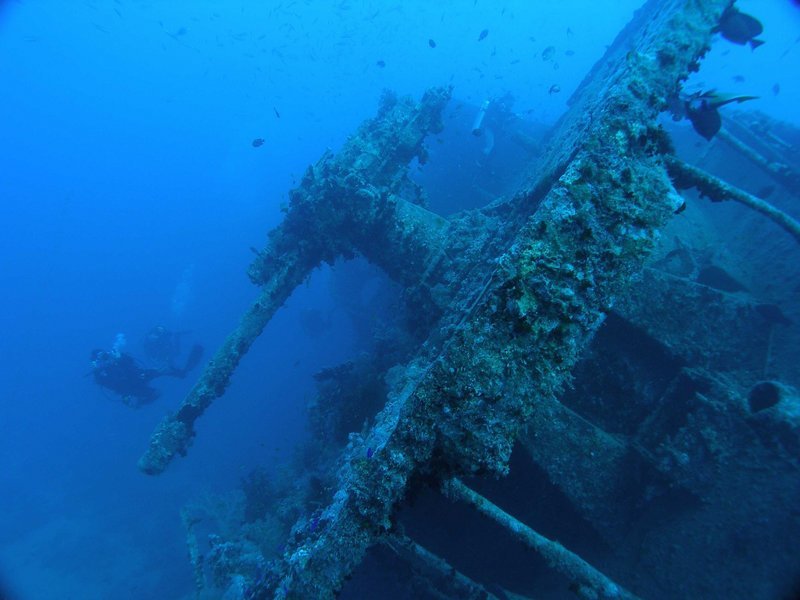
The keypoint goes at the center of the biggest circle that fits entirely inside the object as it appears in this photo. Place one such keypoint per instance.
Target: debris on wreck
(524, 312)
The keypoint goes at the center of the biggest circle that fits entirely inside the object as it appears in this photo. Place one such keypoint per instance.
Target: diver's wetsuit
(123, 375)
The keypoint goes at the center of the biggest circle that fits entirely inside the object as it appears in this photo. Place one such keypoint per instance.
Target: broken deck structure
(507, 297)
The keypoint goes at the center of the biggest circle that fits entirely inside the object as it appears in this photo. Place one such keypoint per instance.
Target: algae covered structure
(507, 299)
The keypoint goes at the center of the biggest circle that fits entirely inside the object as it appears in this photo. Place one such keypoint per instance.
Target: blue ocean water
(132, 194)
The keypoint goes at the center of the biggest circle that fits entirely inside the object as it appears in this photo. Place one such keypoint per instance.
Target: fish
(705, 120)
(380, 64)
(776, 89)
(739, 28)
(277, 114)
(738, 78)
(717, 99)
(483, 35)
(548, 53)
(257, 142)
(569, 52)
(701, 110)
(554, 89)
(431, 43)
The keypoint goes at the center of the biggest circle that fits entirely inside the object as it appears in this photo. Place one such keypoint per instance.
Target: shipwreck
(573, 361)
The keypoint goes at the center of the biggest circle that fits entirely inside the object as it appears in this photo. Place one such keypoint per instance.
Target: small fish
(483, 35)
(738, 78)
(432, 43)
(258, 142)
(277, 114)
(569, 52)
(776, 89)
(739, 28)
(548, 53)
(380, 64)
(554, 89)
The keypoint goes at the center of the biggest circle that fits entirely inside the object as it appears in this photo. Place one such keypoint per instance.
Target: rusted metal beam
(590, 582)
(445, 580)
(359, 200)
(718, 190)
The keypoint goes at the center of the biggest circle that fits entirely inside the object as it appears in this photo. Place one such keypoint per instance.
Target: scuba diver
(162, 346)
(122, 374)
(494, 116)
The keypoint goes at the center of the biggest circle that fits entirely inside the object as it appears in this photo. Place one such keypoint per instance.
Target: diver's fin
(754, 43)
(194, 357)
(193, 360)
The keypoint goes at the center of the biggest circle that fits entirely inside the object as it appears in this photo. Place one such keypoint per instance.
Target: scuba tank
(477, 125)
